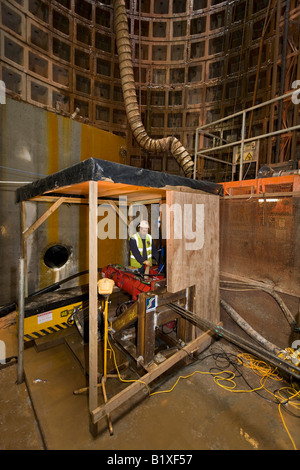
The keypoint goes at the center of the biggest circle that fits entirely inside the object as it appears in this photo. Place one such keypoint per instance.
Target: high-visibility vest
(133, 262)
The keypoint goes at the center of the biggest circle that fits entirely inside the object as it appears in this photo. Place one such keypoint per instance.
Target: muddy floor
(198, 414)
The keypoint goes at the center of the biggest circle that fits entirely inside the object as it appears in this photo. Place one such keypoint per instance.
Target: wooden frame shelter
(95, 181)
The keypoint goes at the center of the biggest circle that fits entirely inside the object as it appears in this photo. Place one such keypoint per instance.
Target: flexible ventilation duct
(167, 144)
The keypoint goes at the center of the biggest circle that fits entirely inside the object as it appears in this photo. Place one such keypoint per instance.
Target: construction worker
(142, 249)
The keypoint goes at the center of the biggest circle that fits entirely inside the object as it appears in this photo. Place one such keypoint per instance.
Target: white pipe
(257, 106)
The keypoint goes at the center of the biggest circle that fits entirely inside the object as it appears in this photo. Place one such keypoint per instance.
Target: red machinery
(132, 282)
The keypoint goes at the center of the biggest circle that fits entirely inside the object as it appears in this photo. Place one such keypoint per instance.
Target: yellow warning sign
(250, 153)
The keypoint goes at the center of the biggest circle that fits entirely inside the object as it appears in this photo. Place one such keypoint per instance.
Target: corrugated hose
(163, 145)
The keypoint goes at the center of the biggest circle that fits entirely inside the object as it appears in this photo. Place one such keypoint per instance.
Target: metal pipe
(167, 144)
(21, 307)
(258, 137)
(239, 113)
(201, 155)
(213, 136)
(225, 162)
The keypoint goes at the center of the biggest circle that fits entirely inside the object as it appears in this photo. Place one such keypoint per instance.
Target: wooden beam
(84, 200)
(68, 200)
(126, 318)
(117, 210)
(146, 201)
(167, 297)
(116, 191)
(145, 197)
(43, 217)
(202, 341)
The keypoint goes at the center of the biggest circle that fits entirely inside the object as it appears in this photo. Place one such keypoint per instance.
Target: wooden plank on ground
(201, 342)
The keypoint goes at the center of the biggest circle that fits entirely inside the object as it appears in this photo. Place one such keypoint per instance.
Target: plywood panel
(260, 240)
(193, 248)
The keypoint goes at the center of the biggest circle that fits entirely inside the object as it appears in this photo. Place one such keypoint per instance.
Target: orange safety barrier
(275, 184)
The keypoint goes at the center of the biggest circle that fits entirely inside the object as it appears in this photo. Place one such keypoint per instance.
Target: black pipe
(51, 288)
(286, 368)
(8, 308)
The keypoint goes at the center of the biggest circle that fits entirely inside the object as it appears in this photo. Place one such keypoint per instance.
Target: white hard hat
(144, 224)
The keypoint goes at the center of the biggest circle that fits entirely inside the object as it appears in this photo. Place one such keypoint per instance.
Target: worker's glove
(147, 263)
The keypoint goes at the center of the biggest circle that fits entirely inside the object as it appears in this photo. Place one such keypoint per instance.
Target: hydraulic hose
(286, 368)
(166, 144)
(248, 329)
(257, 285)
(8, 308)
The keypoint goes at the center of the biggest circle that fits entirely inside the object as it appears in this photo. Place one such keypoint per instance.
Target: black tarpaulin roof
(72, 180)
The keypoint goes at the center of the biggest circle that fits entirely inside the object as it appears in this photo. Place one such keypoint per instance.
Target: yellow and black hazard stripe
(50, 321)
(45, 331)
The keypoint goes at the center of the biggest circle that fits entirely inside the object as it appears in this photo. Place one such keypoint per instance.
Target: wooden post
(93, 300)
(145, 332)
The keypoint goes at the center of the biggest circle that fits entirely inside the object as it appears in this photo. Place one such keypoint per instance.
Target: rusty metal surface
(261, 241)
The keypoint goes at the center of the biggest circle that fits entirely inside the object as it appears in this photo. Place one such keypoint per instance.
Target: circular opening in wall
(56, 256)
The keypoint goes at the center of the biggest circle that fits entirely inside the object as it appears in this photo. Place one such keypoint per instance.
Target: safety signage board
(151, 303)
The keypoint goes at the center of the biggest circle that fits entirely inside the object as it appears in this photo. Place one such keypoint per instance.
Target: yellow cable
(118, 372)
(162, 391)
(105, 337)
(292, 440)
(259, 367)
(191, 375)
(273, 375)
